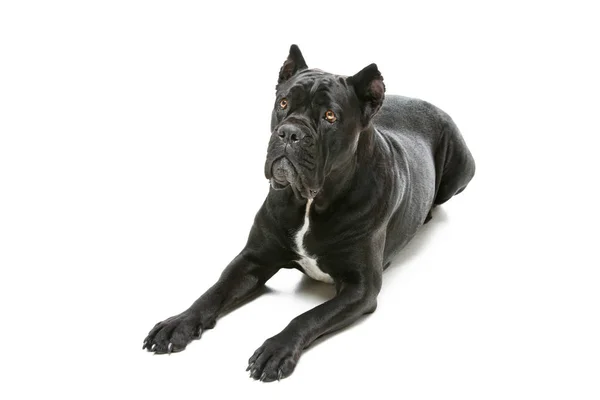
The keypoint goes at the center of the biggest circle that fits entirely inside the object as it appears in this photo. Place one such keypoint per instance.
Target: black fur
(373, 175)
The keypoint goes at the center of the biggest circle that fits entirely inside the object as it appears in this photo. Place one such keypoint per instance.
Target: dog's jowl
(354, 173)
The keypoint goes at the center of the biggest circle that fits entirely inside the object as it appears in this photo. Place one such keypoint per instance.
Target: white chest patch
(308, 263)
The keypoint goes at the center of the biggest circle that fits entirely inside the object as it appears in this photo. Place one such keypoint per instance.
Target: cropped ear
(294, 64)
(370, 90)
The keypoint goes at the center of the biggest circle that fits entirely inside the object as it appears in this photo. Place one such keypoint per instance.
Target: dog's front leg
(278, 356)
(244, 275)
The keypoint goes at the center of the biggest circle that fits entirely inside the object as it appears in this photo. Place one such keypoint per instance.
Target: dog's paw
(274, 360)
(173, 334)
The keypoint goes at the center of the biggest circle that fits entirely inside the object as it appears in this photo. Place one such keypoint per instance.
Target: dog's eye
(283, 104)
(330, 116)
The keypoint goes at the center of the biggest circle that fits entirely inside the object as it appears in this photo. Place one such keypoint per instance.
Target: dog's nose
(289, 134)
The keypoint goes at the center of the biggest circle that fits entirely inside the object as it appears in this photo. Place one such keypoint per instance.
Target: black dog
(353, 176)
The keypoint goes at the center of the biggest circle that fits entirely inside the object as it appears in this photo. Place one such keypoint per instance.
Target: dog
(353, 173)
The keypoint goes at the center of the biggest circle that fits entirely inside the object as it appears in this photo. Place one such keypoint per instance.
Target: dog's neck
(341, 180)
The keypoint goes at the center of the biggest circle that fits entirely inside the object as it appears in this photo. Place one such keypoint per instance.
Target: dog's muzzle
(283, 173)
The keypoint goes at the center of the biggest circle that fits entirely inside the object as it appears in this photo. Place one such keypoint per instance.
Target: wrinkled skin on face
(305, 145)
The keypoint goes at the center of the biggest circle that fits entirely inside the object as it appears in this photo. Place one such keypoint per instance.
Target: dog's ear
(294, 64)
(370, 90)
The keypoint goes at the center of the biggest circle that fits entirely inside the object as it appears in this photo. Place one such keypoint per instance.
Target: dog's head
(316, 122)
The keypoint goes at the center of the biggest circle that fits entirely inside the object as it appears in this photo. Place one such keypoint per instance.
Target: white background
(132, 141)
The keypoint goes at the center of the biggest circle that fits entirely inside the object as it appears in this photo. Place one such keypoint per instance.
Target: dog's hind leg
(427, 218)
(454, 164)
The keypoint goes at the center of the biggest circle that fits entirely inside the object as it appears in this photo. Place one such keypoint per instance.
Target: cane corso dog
(353, 175)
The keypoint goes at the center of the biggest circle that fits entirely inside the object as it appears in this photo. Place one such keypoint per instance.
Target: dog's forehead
(312, 81)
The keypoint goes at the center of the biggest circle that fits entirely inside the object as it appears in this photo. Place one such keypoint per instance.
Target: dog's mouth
(284, 174)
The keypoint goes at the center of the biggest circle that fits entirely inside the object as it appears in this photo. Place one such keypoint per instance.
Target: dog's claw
(263, 376)
(250, 366)
(145, 344)
(279, 375)
(153, 347)
(170, 348)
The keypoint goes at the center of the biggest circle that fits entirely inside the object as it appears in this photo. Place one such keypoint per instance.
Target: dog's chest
(306, 261)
